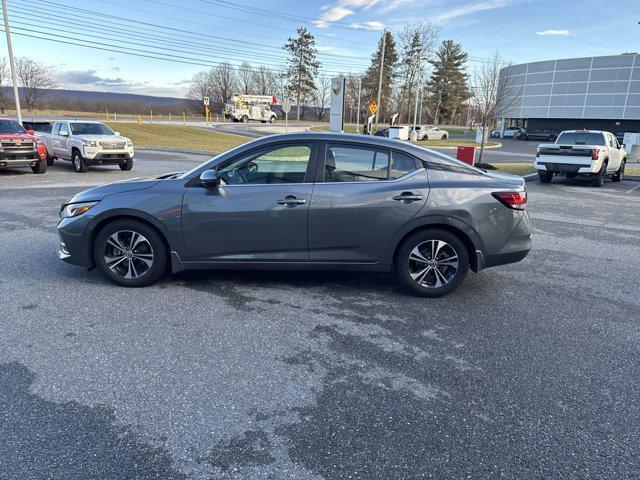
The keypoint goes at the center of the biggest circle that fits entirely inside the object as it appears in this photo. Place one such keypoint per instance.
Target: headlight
(90, 143)
(75, 209)
(129, 143)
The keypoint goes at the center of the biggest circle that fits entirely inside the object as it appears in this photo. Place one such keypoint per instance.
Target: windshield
(580, 138)
(11, 127)
(90, 129)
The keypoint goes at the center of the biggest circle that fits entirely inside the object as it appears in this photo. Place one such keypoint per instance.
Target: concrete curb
(633, 178)
(175, 150)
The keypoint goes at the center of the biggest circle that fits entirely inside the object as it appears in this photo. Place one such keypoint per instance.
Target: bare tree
(4, 84)
(35, 78)
(245, 78)
(264, 81)
(223, 83)
(494, 94)
(321, 96)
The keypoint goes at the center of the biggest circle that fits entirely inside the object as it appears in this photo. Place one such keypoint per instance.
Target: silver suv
(305, 201)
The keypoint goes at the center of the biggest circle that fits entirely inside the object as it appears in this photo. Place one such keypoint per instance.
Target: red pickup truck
(21, 148)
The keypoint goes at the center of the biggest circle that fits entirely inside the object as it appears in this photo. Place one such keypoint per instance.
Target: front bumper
(74, 245)
(97, 156)
(19, 162)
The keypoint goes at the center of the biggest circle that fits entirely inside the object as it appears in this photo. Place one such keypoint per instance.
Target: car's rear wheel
(272, 120)
(40, 167)
(130, 253)
(598, 178)
(79, 165)
(432, 263)
(244, 119)
(50, 160)
(617, 177)
(545, 177)
(126, 166)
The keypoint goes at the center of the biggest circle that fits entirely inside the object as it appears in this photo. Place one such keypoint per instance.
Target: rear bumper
(505, 258)
(554, 167)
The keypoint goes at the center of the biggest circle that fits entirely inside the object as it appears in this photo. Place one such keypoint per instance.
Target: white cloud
(472, 8)
(341, 9)
(552, 31)
(373, 25)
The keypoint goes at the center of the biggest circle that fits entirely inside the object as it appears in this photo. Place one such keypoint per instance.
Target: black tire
(126, 166)
(158, 251)
(444, 137)
(619, 175)
(50, 160)
(244, 119)
(598, 179)
(41, 167)
(79, 165)
(545, 177)
(523, 137)
(272, 119)
(404, 265)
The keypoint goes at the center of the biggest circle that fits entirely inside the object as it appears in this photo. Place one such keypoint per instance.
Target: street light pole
(11, 61)
(358, 105)
(419, 81)
(384, 44)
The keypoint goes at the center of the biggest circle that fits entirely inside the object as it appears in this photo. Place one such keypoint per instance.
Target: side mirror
(209, 179)
(63, 134)
(31, 132)
(117, 134)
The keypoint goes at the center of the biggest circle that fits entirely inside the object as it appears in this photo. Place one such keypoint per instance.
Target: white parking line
(633, 189)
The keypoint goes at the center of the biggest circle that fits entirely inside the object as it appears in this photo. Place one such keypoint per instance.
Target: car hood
(102, 138)
(507, 178)
(17, 136)
(98, 193)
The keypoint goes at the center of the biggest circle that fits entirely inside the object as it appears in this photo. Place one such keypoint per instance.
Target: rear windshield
(11, 127)
(90, 129)
(38, 127)
(580, 138)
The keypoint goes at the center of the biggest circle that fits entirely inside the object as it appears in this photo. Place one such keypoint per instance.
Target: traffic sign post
(286, 108)
(205, 101)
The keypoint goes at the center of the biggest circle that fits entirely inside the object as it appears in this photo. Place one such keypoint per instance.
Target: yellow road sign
(373, 108)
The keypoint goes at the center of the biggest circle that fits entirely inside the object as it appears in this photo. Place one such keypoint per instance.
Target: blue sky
(211, 31)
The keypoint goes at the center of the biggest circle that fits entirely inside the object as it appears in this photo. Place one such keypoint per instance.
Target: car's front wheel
(432, 263)
(79, 165)
(617, 177)
(130, 253)
(126, 166)
(40, 167)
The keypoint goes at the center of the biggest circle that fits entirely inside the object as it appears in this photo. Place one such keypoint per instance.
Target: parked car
(548, 134)
(305, 201)
(21, 148)
(383, 132)
(582, 152)
(508, 132)
(88, 143)
(38, 126)
(429, 132)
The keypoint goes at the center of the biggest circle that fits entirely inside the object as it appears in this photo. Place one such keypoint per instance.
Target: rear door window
(347, 163)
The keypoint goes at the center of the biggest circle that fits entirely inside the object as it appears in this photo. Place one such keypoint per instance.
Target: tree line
(418, 71)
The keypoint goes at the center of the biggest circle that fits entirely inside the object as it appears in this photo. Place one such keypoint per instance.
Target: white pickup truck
(582, 152)
(86, 143)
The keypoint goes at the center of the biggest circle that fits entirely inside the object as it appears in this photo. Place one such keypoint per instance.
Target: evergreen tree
(448, 83)
(302, 66)
(389, 75)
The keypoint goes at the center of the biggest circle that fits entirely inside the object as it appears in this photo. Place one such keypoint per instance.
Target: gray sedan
(305, 201)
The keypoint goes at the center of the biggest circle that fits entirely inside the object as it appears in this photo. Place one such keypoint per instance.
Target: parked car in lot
(548, 134)
(21, 148)
(305, 201)
(582, 152)
(429, 132)
(383, 132)
(88, 143)
(508, 132)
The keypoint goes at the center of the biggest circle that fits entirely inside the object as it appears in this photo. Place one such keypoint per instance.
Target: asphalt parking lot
(528, 371)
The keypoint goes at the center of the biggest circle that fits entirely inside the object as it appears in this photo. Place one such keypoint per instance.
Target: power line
(337, 64)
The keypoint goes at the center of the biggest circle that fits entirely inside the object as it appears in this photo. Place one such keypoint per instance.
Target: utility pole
(384, 45)
(418, 82)
(12, 61)
(420, 108)
(358, 105)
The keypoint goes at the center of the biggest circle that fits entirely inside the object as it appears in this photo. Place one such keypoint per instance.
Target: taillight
(594, 153)
(514, 200)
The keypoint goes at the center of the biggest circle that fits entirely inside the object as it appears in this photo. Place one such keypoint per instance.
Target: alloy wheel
(433, 264)
(128, 254)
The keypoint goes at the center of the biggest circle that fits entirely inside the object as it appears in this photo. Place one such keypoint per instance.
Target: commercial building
(594, 93)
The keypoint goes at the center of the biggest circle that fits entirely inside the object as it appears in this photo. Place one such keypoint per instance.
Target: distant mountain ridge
(89, 96)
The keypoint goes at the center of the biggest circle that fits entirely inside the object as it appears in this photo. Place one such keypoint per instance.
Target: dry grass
(176, 136)
(515, 168)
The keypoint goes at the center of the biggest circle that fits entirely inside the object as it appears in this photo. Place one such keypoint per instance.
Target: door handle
(408, 197)
(291, 201)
